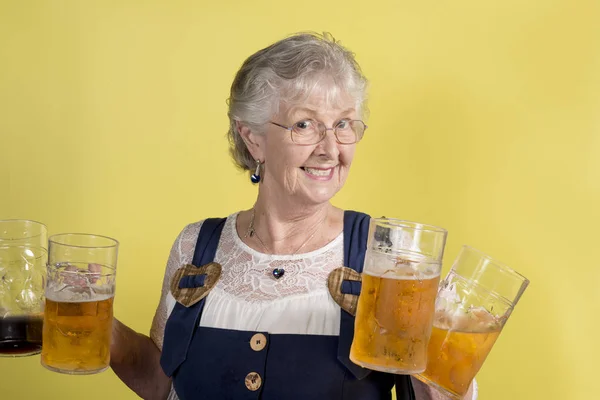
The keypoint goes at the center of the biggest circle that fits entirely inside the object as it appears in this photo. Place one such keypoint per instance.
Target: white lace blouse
(248, 296)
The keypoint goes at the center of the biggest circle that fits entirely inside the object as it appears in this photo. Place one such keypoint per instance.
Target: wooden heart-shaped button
(190, 284)
(347, 299)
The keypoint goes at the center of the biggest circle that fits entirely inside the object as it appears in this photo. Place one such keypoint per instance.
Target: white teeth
(318, 172)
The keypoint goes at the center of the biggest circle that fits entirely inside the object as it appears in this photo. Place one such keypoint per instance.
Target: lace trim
(247, 273)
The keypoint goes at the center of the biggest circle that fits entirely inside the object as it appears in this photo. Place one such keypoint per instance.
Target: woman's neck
(290, 228)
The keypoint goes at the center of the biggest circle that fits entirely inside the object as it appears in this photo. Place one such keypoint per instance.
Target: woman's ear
(254, 142)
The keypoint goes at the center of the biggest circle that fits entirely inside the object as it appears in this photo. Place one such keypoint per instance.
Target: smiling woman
(302, 84)
(309, 166)
(296, 110)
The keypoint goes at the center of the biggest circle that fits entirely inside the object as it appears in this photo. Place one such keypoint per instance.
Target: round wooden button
(258, 342)
(253, 381)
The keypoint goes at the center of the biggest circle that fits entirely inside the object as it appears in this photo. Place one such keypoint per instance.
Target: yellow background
(485, 119)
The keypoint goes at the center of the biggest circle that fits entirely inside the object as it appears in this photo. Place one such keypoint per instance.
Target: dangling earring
(255, 178)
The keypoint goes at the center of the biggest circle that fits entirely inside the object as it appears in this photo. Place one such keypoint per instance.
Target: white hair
(288, 71)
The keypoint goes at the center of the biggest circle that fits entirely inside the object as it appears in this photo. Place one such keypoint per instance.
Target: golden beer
(78, 315)
(458, 348)
(393, 322)
(396, 305)
(472, 306)
(77, 335)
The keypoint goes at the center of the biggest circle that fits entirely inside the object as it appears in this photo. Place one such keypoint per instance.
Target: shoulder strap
(208, 241)
(183, 321)
(356, 231)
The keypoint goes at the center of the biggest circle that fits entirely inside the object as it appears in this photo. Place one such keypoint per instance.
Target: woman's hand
(426, 392)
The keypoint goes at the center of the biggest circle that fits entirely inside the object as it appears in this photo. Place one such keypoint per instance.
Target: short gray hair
(289, 70)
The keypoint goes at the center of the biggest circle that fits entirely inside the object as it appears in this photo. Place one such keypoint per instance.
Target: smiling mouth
(317, 171)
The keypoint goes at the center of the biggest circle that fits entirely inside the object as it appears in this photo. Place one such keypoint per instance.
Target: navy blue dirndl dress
(214, 364)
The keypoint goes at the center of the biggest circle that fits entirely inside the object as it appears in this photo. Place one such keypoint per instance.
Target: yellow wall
(485, 119)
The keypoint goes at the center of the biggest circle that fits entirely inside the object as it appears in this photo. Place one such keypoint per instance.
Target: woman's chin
(319, 195)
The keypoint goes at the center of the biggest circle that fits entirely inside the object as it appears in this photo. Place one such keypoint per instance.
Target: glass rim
(41, 224)
(21, 220)
(406, 224)
(500, 265)
(55, 240)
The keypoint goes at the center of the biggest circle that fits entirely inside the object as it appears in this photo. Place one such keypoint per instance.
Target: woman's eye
(343, 124)
(302, 125)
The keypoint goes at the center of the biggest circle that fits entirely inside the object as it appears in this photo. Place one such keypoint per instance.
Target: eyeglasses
(308, 132)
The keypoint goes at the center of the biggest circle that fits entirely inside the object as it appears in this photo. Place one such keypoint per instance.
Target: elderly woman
(259, 321)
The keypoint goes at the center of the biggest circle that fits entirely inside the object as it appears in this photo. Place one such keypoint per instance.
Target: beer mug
(78, 314)
(396, 304)
(473, 304)
(23, 258)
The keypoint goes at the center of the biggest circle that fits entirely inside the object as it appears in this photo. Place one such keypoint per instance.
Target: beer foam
(472, 320)
(400, 266)
(80, 295)
(451, 313)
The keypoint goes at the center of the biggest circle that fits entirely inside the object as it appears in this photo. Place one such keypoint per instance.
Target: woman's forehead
(319, 102)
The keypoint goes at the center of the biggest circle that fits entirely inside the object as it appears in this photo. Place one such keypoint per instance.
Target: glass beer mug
(23, 258)
(473, 304)
(397, 301)
(78, 315)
